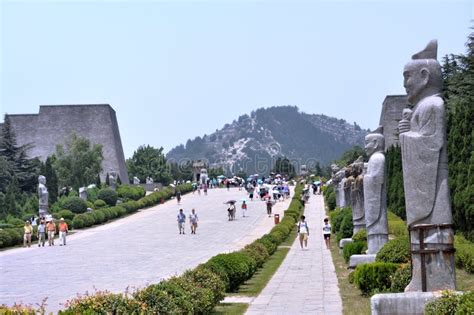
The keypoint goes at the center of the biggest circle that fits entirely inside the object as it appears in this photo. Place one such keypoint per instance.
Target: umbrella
(230, 202)
(275, 191)
(317, 182)
(172, 185)
(221, 176)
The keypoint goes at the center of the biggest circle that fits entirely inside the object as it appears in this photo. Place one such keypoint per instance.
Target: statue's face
(42, 180)
(415, 80)
(370, 145)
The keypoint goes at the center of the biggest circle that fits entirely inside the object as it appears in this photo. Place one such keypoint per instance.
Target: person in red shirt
(51, 227)
(63, 229)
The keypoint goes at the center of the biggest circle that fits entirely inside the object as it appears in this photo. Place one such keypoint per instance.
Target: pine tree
(107, 181)
(97, 181)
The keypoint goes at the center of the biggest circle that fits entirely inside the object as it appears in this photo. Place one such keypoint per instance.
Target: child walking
(303, 231)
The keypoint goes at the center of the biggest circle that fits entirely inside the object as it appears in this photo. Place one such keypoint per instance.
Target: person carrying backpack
(303, 231)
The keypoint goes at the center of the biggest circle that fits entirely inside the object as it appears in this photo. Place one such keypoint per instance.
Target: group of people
(45, 229)
(303, 232)
(193, 221)
(198, 187)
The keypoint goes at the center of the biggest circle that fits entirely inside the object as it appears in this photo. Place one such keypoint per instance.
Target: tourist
(193, 219)
(41, 233)
(303, 231)
(227, 184)
(181, 220)
(178, 196)
(231, 210)
(28, 229)
(244, 208)
(251, 193)
(269, 207)
(205, 189)
(63, 229)
(51, 228)
(327, 232)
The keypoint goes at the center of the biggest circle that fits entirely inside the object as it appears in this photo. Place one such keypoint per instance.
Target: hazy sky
(175, 70)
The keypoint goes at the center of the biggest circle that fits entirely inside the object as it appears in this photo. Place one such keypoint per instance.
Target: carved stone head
(422, 75)
(42, 179)
(374, 142)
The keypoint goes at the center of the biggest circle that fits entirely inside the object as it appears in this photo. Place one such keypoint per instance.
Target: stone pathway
(306, 281)
(131, 252)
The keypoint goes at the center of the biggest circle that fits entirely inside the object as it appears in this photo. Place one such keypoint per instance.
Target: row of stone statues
(422, 135)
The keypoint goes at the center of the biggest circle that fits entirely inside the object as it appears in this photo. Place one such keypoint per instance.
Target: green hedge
(400, 279)
(374, 277)
(451, 303)
(197, 291)
(395, 251)
(354, 248)
(108, 195)
(127, 192)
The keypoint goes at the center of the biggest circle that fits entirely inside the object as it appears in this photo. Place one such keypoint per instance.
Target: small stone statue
(113, 180)
(136, 180)
(357, 195)
(83, 193)
(425, 175)
(348, 186)
(375, 193)
(149, 180)
(336, 181)
(43, 196)
(341, 176)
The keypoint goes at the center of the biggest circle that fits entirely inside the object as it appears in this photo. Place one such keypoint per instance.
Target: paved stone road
(306, 281)
(133, 251)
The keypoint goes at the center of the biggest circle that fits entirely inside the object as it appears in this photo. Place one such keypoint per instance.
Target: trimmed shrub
(130, 192)
(354, 248)
(207, 279)
(157, 301)
(99, 216)
(395, 251)
(396, 226)
(74, 204)
(347, 228)
(78, 222)
(19, 309)
(108, 195)
(66, 214)
(102, 302)
(464, 255)
(337, 216)
(236, 265)
(401, 278)
(451, 303)
(374, 278)
(99, 203)
(258, 252)
(360, 236)
(17, 222)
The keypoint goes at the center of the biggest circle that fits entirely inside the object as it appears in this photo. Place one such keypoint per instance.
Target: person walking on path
(178, 196)
(327, 232)
(51, 228)
(303, 231)
(251, 193)
(244, 208)
(63, 230)
(181, 220)
(193, 219)
(28, 229)
(269, 207)
(41, 233)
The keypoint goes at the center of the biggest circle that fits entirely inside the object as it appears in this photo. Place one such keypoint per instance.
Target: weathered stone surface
(357, 195)
(392, 108)
(375, 193)
(347, 185)
(412, 303)
(113, 180)
(83, 193)
(344, 241)
(54, 124)
(425, 173)
(356, 260)
(136, 180)
(43, 196)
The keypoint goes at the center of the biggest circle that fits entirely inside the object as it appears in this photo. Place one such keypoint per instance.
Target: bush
(207, 279)
(347, 228)
(99, 203)
(74, 204)
(66, 214)
(19, 309)
(236, 265)
(396, 226)
(464, 256)
(130, 192)
(337, 216)
(451, 303)
(156, 300)
(99, 216)
(361, 236)
(17, 222)
(108, 195)
(78, 222)
(258, 252)
(354, 248)
(395, 251)
(374, 278)
(102, 302)
(400, 279)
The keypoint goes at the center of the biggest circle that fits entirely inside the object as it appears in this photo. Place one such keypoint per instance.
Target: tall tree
(149, 161)
(78, 162)
(395, 191)
(284, 167)
(51, 179)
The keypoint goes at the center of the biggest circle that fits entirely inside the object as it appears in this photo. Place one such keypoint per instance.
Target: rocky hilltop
(252, 142)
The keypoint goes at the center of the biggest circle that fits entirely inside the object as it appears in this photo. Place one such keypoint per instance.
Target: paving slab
(131, 252)
(306, 281)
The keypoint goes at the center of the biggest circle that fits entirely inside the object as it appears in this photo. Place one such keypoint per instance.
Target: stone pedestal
(344, 241)
(360, 259)
(376, 242)
(412, 303)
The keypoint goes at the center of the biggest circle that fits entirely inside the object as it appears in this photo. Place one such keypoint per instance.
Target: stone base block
(360, 259)
(401, 303)
(344, 241)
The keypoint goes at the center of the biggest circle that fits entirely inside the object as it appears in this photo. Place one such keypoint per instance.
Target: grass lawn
(230, 308)
(464, 280)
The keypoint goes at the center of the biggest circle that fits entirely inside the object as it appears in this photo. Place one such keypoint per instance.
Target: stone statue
(43, 196)
(113, 179)
(375, 193)
(425, 175)
(83, 193)
(336, 181)
(136, 180)
(357, 195)
(347, 182)
(341, 176)
(149, 180)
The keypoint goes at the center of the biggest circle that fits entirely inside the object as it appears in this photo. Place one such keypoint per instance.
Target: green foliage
(108, 195)
(78, 162)
(354, 248)
(99, 203)
(206, 279)
(330, 197)
(102, 302)
(149, 161)
(464, 256)
(347, 228)
(130, 192)
(375, 277)
(51, 179)
(284, 167)
(237, 266)
(396, 226)
(451, 303)
(400, 279)
(351, 155)
(395, 191)
(66, 214)
(360, 236)
(337, 216)
(395, 251)
(75, 204)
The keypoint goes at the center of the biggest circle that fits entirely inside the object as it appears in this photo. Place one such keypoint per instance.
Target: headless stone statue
(357, 195)
(336, 181)
(425, 175)
(136, 181)
(341, 179)
(113, 179)
(348, 186)
(43, 196)
(375, 193)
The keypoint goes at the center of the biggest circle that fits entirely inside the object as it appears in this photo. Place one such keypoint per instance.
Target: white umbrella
(172, 185)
